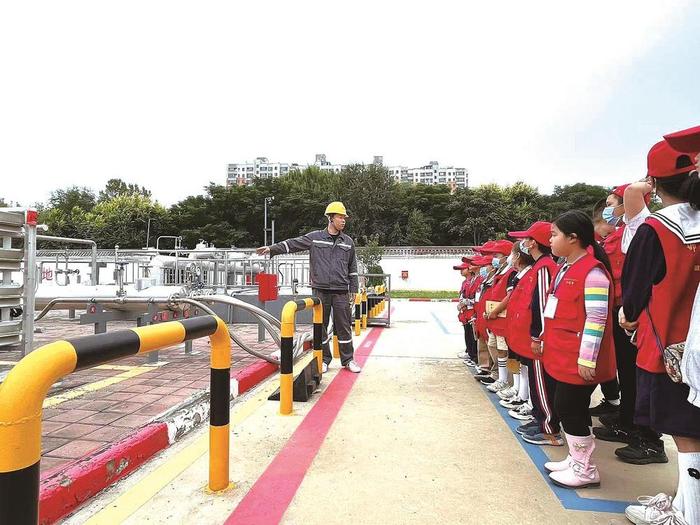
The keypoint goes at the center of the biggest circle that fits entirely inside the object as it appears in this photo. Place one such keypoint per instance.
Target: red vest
(499, 291)
(612, 245)
(562, 335)
(465, 314)
(473, 286)
(671, 300)
(519, 319)
(479, 308)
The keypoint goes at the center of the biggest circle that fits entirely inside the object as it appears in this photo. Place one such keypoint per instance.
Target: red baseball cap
(685, 141)
(541, 231)
(484, 247)
(662, 161)
(462, 266)
(500, 246)
(620, 192)
(482, 261)
(468, 260)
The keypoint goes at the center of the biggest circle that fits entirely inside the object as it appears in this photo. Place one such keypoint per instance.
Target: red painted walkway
(269, 498)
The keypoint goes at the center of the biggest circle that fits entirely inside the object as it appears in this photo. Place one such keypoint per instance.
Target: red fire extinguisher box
(267, 287)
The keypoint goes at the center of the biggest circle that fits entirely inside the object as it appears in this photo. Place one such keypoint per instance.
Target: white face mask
(524, 248)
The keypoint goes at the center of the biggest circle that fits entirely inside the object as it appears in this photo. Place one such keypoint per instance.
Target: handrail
(23, 391)
(288, 319)
(70, 240)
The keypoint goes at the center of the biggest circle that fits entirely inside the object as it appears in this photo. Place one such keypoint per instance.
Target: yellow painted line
(93, 387)
(135, 497)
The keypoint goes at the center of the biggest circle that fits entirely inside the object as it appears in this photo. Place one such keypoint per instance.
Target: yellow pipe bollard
(318, 338)
(358, 314)
(364, 310)
(288, 327)
(336, 347)
(23, 391)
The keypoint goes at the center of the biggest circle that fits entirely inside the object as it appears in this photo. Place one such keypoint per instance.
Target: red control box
(267, 287)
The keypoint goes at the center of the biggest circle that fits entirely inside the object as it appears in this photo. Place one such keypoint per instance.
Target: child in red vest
(495, 325)
(659, 283)
(644, 446)
(527, 338)
(578, 348)
(465, 309)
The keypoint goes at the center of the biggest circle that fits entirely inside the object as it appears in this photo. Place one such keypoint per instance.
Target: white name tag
(551, 307)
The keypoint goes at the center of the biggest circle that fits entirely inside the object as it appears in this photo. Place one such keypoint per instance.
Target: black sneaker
(603, 408)
(523, 429)
(614, 433)
(642, 452)
(487, 380)
(610, 420)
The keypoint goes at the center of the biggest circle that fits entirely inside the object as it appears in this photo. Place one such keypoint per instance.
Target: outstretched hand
(263, 250)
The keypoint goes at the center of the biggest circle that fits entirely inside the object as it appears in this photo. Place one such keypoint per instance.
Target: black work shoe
(603, 408)
(614, 433)
(610, 420)
(642, 452)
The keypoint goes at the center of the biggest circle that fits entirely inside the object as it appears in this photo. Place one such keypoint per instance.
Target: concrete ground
(417, 440)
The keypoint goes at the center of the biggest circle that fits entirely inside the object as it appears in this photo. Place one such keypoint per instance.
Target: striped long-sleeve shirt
(596, 297)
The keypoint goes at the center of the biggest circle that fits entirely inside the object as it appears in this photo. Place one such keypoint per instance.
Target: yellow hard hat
(336, 207)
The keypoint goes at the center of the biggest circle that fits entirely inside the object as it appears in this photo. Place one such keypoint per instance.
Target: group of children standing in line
(605, 300)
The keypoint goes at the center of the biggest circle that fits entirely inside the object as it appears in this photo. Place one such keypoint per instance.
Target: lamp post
(268, 200)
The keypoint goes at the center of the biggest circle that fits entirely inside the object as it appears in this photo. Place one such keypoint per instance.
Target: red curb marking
(66, 487)
(269, 498)
(63, 490)
(251, 375)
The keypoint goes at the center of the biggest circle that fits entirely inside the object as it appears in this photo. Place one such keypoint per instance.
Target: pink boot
(582, 473)
(557, 466)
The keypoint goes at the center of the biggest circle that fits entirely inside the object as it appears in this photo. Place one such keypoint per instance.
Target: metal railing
(23, 391)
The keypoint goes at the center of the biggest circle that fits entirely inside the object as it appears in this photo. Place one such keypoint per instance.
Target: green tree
(368, 193)
(370, 256)
(117, 188)
(579, 196)
(123, 220)
(72, 197)
(418, 229)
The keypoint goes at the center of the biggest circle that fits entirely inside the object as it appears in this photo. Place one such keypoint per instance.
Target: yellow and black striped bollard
(287, 348)
(23, 391)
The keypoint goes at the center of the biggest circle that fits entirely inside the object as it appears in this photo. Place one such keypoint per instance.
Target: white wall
(423, 273)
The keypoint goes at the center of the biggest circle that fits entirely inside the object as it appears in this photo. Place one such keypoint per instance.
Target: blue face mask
(483, 271)
(609, 215)
(496, 262)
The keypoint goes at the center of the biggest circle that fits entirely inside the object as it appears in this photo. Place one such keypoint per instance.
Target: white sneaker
(654, 510)
(353, 367)
(522, 413)
(462, 355)
(324, 368)
(511, 403)
(497, 386)
(508, 393)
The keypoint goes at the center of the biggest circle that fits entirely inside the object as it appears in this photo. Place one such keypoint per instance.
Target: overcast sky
(166, 94)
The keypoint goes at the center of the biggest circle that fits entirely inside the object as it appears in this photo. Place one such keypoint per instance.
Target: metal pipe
(69, 240)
